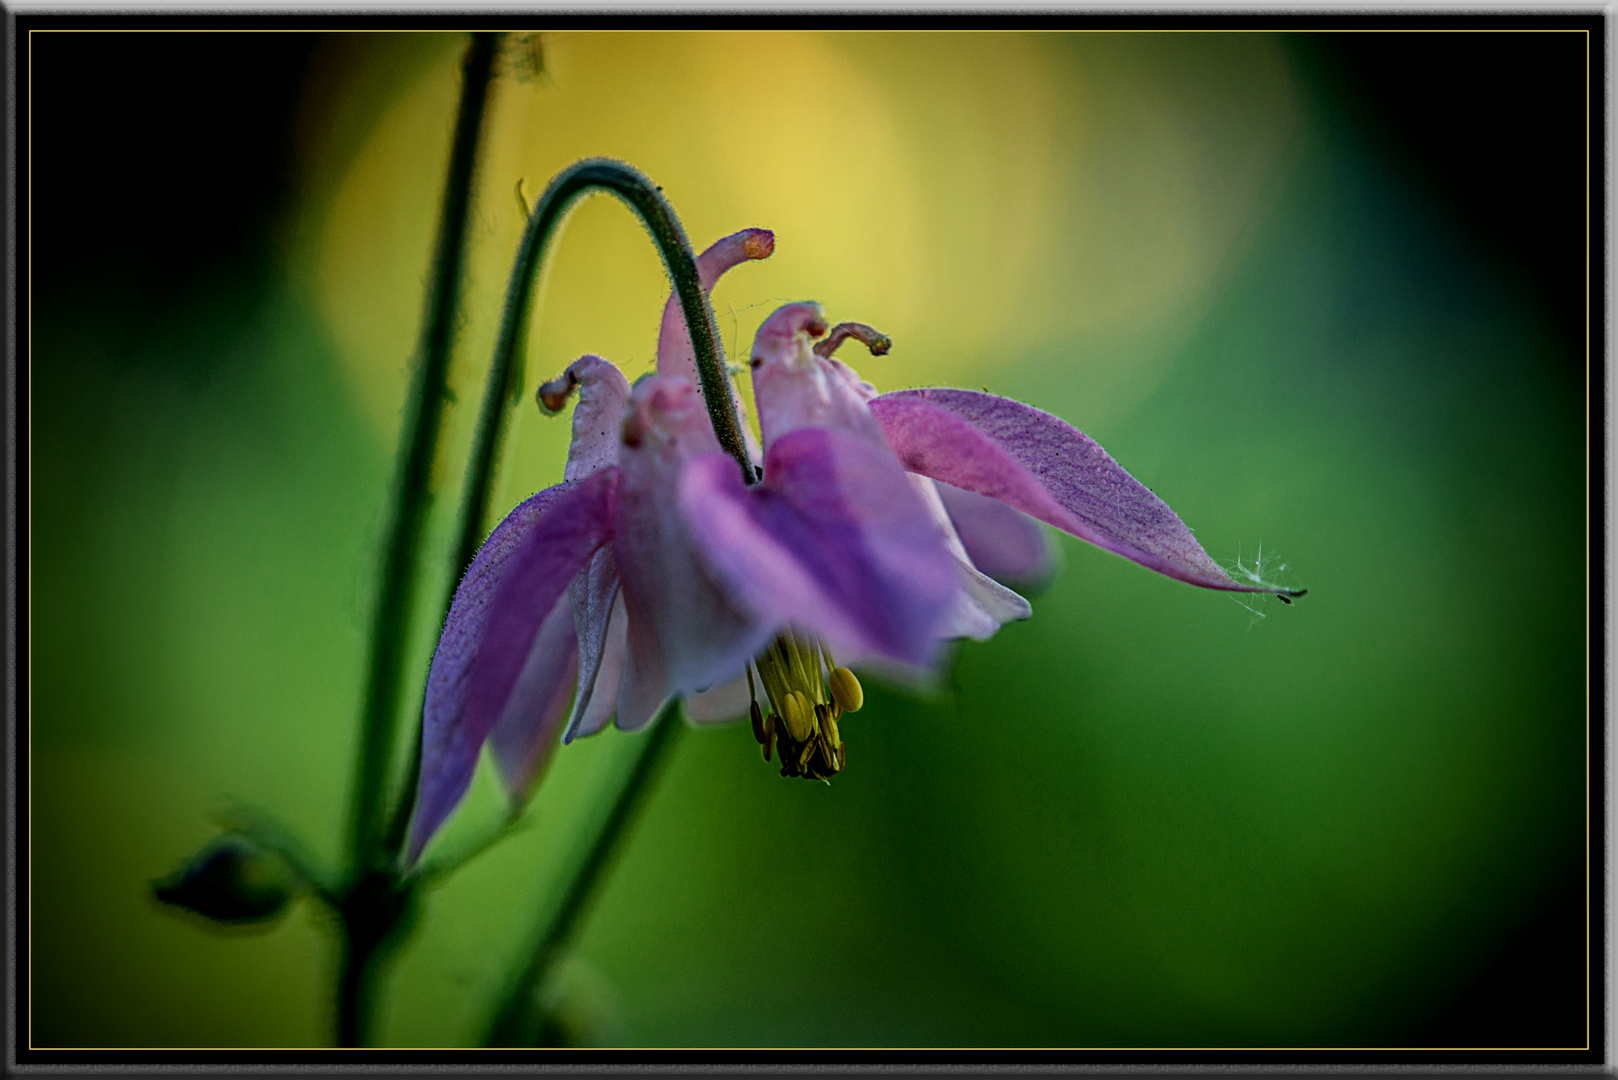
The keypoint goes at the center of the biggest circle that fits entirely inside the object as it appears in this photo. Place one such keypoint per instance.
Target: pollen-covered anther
(763, 730)
(846, 690)
(827, 725)
(799, 677)
(552, 396)
(873, 339)
(794, 707)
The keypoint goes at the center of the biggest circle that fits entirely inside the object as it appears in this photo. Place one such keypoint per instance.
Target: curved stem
(505, 381)
(506, 1029)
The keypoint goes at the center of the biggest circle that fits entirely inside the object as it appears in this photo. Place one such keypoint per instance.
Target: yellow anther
(805, 714)
(846, 690)
(792, 715)
(828, 725)
(788, 707)
(808, 695)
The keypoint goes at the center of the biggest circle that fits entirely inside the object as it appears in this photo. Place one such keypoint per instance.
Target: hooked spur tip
(552, 396)
(759, 244)
(781, 329)
(873, 339)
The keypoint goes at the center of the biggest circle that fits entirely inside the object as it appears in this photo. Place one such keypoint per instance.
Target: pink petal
(834, 541)
(797, 389)
(1006, 544)
(1045, 467)
(525, 734)
(595, 599)
(982, 605)
(512, 585)
(598, 417)
(685, 634)
(675, 354)
(598, 709)
(645, 686)
(720, 705)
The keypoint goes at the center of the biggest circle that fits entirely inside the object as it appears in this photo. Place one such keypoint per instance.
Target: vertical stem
(397, 579)
(373, 906)
(349, 994)
(507, 1026)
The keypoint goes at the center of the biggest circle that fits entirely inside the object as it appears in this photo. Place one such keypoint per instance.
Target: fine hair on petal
(1264, 569)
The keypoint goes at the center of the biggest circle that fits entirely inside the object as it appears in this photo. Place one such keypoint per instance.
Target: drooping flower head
(657, 570)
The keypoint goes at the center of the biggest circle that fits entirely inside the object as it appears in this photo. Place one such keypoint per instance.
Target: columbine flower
(654, 570)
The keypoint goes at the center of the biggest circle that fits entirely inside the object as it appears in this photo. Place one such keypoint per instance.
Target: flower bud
(232, 880)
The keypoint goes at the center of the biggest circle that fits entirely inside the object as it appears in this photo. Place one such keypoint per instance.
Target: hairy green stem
(508, 1027)
(363, 933)
(646, 200)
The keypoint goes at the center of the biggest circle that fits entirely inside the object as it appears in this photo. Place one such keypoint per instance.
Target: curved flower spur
(656, 570)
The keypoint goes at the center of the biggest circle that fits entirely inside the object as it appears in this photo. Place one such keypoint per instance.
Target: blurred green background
(1319, 300)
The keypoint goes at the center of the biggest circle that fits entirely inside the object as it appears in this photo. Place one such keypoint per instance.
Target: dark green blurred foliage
(1143, 818)
(231, 881)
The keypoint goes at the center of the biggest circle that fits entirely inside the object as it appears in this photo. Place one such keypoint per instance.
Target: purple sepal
(834, 541)
(1049, 469)
(522, 570)
(1006, 544)
(525, 735)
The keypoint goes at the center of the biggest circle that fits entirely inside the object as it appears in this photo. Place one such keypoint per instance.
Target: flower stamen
(808, 693)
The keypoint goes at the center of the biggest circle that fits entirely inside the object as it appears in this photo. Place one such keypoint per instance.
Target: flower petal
(596, 600)
(675, 354)
(795, 388)
(525, 734)
(721, 705)
(1045, 467)
(983, 604)
(685, 633)
(598, 417)
(834, 540)
(602, 703)
(512, 585)
(1006, 544)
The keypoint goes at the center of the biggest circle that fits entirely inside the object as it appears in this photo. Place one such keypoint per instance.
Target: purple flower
(653, 570)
